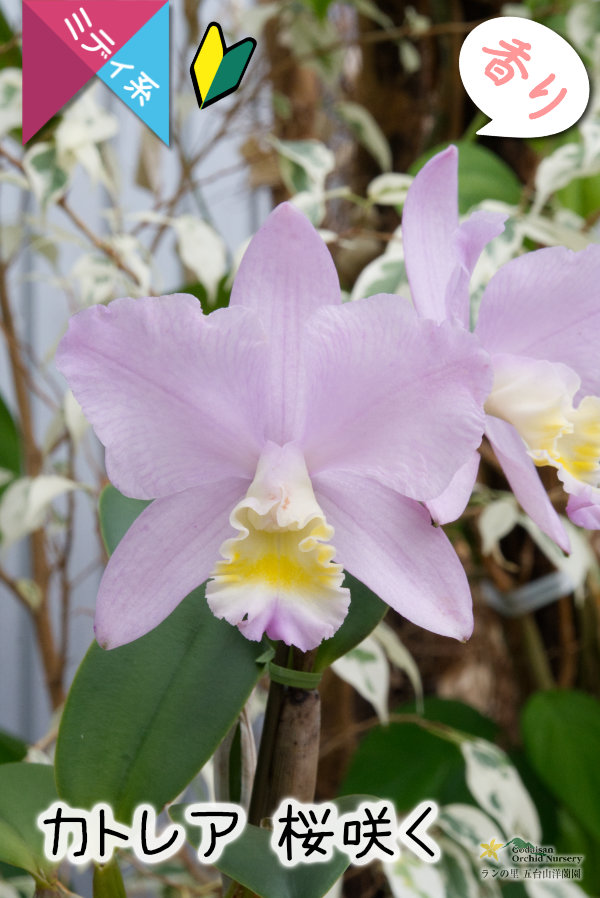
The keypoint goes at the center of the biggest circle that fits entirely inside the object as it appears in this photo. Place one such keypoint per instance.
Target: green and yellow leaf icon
(217, 70)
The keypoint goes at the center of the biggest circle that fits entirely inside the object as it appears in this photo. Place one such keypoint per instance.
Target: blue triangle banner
(139, 73)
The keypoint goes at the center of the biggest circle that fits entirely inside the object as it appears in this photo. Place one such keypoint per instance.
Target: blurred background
(343, 102)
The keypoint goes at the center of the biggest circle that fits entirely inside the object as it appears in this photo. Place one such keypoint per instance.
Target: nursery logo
(520, 859)
(67, 42)
(523, 75)
(530, 851)
(217, 70)
(490, 849)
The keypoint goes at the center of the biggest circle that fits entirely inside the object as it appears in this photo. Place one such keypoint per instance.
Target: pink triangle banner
(66, 42)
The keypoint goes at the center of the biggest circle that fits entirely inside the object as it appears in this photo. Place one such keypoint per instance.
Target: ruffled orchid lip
(578, 451)
(277, 574)
(537, 398)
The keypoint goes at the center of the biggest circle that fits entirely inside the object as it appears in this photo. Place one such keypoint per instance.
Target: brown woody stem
(33, 466)
(289, 748)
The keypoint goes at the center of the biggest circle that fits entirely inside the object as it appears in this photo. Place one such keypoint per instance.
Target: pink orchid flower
(539, 320)
(280, 438)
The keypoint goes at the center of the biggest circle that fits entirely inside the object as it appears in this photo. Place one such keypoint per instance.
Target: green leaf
(366, 668)
(365, 612)
(404, 761)
(11, 104)
(25, 791)
(141, 720)
(481, 175)
(319, 7)
(10, 444)
(304, 164)
(209, 304)
(367, 131)
(251, 861)
(117, 513)
(108, 882)
(385, 274)
(11, 748)
(582, 195)
(24, 509)
(48, 180)
(389, 189)
(411, 878)
(571, 838)
(459, 878)
(498, 789)
(8, 872)
(202, 251)
(561, 733)
(10, 58)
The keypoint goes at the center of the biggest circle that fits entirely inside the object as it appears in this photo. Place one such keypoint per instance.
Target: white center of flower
(277, 574)
(536, 397)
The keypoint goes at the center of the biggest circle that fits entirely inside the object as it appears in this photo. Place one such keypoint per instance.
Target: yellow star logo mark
(491, 849)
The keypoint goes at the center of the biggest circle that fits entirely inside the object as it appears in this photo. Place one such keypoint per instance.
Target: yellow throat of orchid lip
(538, 402)
(283, 560)
(578, 452)
(281, 554)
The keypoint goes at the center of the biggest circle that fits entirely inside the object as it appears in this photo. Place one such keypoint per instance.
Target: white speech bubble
(525, 76)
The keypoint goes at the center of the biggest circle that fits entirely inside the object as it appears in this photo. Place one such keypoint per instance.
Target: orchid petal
(286, 274)
(452, 502)
(584, 509)
(545, 305)
(429, 222)
(166, 553)
(439, 254)
(392, 396)
(389, 543)
(174, 395)
(523, 478)
(470, 239)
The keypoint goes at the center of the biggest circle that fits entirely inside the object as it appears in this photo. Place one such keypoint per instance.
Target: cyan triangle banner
(67, 42)
(139, 73)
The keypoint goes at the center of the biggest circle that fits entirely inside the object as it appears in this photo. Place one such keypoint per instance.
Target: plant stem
(267, 742)
(33, 466)
(535, 653)
(289, 747)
